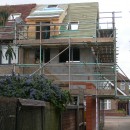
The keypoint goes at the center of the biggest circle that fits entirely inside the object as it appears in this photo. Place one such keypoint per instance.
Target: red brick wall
(90, 113)
(69, 120)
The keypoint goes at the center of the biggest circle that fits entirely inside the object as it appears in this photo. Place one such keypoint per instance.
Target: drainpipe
(15, 37)
(40, 46)
(97, 121)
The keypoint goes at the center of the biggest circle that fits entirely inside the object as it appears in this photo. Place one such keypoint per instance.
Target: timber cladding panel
(31, 30)
(28, 114)
(84, 13)
(7, 113)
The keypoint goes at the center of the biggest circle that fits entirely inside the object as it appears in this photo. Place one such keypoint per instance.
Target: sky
(122, 23)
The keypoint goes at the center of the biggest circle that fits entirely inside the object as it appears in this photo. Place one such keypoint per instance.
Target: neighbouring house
(17, 15)
(71, 46)
(120, 106)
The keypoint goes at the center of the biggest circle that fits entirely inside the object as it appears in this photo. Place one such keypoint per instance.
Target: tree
(4, 14)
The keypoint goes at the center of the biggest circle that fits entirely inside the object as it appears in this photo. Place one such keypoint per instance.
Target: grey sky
(122, 24)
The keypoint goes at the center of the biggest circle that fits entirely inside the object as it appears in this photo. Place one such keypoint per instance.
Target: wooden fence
(26, 114)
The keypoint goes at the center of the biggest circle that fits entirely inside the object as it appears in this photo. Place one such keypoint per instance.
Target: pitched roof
(121, 77)
(25, 10)
(44, 11)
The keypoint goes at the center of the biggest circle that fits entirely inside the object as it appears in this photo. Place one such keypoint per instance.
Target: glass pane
(4, 60)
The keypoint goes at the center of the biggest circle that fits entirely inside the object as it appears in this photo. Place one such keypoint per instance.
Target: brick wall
(73, 118)
(69, 120)
(90, 113)
(7, 69)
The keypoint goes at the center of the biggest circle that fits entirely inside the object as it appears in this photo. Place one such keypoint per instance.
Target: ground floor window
(107, 104)
(74, 55)
(45, 55)
(8, 60)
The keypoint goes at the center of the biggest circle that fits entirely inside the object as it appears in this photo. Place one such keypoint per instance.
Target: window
(52, 6)
(45, 55)
(14, 16)
(122, 85)
(73, 26)
(104, 85)
(74, 55)
(9, 60)
(101, 104)
(107, 85)
(45, 31)
(107, 104)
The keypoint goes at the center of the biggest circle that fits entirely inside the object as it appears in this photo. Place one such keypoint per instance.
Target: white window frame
(106, 85)
(107, 104)
(15, 59)
(72, 56)
(122, 86)
(3, 58)
(73, 26)
(13, 16)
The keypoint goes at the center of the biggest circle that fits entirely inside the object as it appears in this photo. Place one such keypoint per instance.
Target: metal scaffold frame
(102, 45)
(95, 40)
(105, 52)
(41, 65)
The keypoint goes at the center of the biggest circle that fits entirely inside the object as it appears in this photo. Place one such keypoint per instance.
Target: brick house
(68, 44)
(120, 106)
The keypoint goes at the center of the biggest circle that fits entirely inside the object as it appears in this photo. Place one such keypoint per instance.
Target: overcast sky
(122, 24)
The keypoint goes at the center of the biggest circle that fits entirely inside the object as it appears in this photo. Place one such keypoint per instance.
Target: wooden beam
(73, 41)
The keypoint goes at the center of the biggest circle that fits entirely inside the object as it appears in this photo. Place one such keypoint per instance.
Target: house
(120, 106)
(17, 14)
(68, 44)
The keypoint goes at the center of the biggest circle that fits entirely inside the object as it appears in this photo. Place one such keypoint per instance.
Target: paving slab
(117, 123)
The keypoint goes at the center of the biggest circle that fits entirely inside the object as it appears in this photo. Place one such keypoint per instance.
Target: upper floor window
(122, 85)
(104, 85)
(73, 26)
(74, 55)
(13, 16)
(42, 30)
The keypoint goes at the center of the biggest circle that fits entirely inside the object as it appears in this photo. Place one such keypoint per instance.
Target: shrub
(35, 87)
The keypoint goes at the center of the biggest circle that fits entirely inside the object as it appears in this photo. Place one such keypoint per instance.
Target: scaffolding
(67, 65)
(78, 55)
(101, 45)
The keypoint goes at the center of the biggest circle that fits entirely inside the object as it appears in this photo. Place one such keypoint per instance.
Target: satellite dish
(19, 20)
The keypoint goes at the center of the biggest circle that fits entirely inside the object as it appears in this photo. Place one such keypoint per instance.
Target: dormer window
(14, 16)
(52, 6)
(73, 26)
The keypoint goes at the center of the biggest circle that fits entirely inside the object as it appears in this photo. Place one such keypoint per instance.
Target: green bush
(35, 87)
